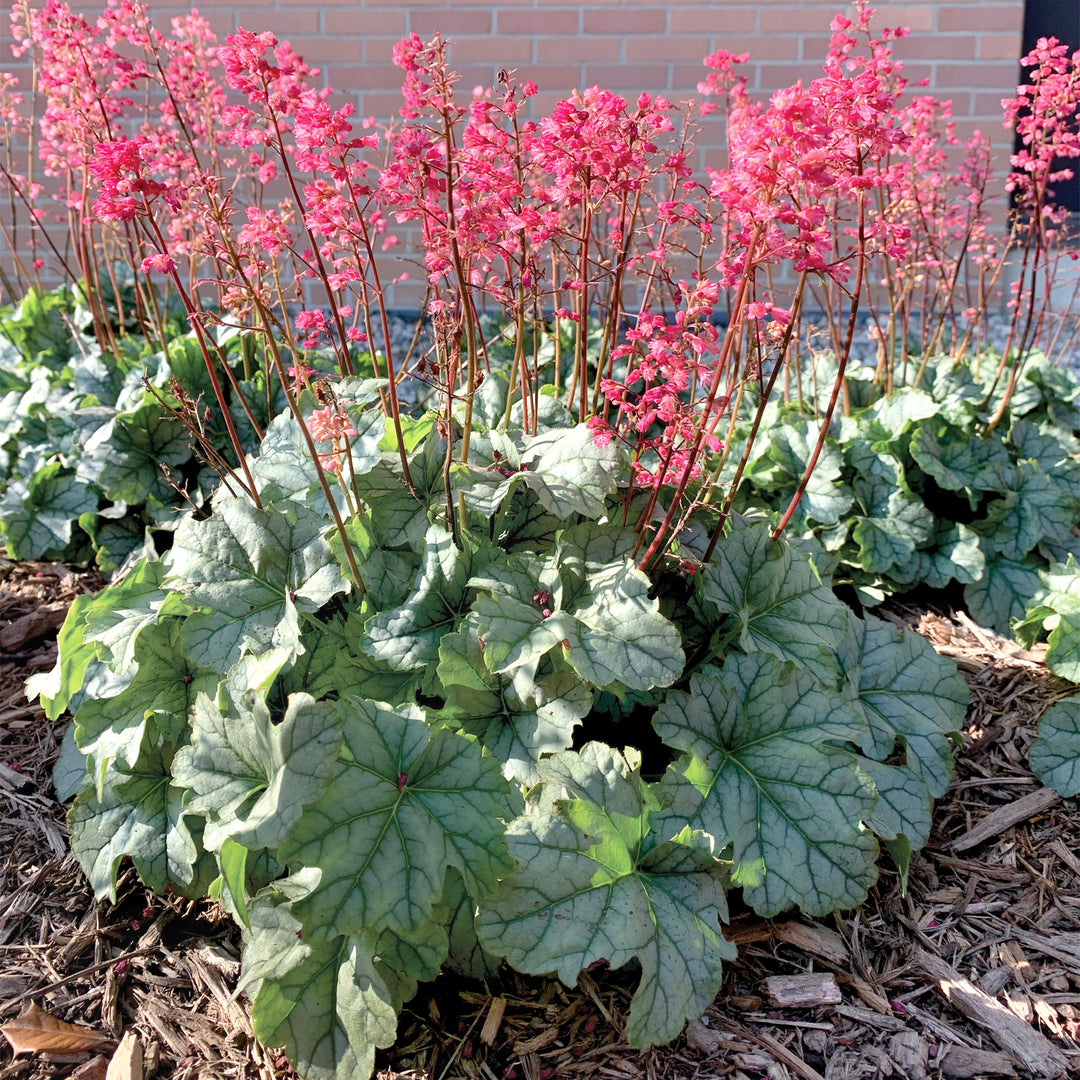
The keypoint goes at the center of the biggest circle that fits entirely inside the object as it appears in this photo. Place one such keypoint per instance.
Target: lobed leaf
(780, 604)
(906, 692)
(138, 814)
(164, 689)
(251, 778)
(407, 637)
(1032, 506)
(593, 883)
(254, 572)
(601, 614)
(326, 1002)
(1003, 592)
(517, 729)
(404, 803)
(763, 774)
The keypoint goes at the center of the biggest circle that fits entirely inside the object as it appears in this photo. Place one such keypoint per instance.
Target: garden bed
(993, 898)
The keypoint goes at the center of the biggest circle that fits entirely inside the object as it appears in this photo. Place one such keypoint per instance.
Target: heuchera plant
(361, 699)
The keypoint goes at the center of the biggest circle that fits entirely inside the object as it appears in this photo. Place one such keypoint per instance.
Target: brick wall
(968, 49)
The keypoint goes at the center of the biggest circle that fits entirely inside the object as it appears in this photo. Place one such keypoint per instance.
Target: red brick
(999, 46)
(559, 20)
(686, 76)
(324, 50)
(792, 20)
(563, 49)
(501, 51)
(546, 100)
(667, 48)
(376, 23)
(974, 76)
(813, 48)
(286, 5)
(919, 17)
(626, 22)
(980, 17)
(715, 20)
(966, 128)
(300, 22)
(383, 104)
(557, 79)
(935, 47)
(450, 22)
(364, 76)
(988, 104)
(651, 77)
(760, 46)
(774, 76)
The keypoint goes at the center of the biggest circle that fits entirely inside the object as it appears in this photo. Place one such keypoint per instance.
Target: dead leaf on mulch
(37, 1032)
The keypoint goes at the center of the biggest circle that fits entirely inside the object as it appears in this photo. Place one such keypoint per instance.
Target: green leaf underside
(1055, 755)
(764, 776)
(404, 803)
(594, 884)
(232, 858)
(1063, 654)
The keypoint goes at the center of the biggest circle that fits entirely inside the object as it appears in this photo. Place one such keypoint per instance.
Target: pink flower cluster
(330, 425)
(1044, 116)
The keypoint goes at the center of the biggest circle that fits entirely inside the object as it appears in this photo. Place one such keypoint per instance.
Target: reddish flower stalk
(587, 218)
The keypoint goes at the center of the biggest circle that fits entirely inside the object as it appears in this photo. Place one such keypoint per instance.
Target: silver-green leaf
(764, 775)
(1055, 755)
(906, 692)
(251, 778)
(254, 572)
(780, 604)
(404, 803)
(594, 883)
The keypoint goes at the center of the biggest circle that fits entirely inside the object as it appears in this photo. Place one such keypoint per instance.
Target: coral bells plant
(357, 693)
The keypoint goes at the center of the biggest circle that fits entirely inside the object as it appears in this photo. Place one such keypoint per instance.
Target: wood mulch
(975, 972)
